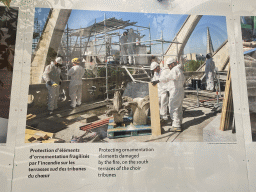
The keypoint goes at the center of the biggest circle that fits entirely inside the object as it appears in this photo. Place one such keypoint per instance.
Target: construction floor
(200, 124)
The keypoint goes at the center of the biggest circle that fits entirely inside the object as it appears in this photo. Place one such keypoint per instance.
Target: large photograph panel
(120, 77)
(248, 27)
(8, 28)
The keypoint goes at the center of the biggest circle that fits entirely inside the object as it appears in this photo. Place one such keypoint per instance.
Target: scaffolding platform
(127, 129)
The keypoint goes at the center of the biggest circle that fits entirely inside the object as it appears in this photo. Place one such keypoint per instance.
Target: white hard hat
(170, 60)
(154, 65)
(58, 60)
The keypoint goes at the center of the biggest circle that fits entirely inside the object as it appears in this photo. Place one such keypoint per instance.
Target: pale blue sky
(169, 24)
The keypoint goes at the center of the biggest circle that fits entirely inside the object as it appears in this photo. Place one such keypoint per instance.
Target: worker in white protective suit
(123, 45)
(52, 78)
(132, 45)
(75, 86)
(162, 90)
(175, 80)
(153, 59)
(209, 73)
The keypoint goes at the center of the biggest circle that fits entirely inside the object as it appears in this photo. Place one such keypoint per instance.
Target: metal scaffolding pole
(80, 46)
(177, 51)
(157, 40)
(105, 28)
(101, 35)
(120, 57)
(162, 47)
(149, 38)
(67, 52)
(95, 57)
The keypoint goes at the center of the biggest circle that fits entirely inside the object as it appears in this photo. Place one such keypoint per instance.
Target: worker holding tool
(75, 86)
(123, 40)
(209, 73)
(162, 90)
(52, 78)
(175, 79)
(132, 45)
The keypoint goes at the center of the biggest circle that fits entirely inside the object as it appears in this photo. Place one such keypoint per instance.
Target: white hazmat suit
(75, 86)
(162, 91)
(132, 45)
(123, 40)
(51, 76)
(209, 74)
(175, 80)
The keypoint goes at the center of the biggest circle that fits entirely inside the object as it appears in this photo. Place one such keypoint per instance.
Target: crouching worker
(52, 78)
(176, 80)
(162, 90)
(76, 83)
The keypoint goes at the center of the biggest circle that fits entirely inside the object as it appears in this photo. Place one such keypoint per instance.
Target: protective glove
(60, 83)
(155, 82)
(49, 83)
(55, 85)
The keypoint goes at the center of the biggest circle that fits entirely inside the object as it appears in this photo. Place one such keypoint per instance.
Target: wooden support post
(227, 107)
(154, 110)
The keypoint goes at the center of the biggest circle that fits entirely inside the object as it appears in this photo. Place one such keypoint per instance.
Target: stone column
(50, 38)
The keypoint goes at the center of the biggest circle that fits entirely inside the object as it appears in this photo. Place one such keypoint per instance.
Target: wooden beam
(227, 107)
(154, 110)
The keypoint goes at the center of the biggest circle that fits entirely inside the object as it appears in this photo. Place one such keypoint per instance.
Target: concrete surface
(211, 132)
(199, 124)
(67, 133)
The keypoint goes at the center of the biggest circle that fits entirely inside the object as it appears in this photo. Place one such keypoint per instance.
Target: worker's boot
(50, 112)
(165, 118)
(177, 129)
(177, 125)
(71, 107)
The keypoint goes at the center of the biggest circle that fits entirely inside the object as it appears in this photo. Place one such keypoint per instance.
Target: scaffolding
(36, 34)
(95, 45)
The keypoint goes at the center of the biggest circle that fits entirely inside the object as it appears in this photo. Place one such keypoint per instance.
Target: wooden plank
(230, 106)
(227, 108)
(30, 116)
(224, 106)
(95, 124)
(227, 117)
(53, 141)
(227, 111)
(28, 136)
(37, 138)
(154, 110)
